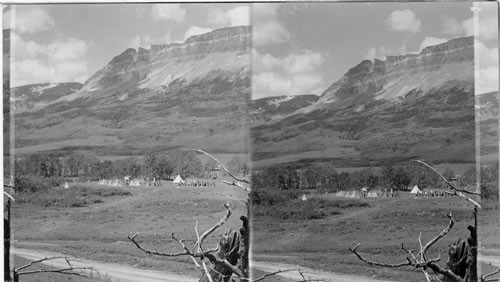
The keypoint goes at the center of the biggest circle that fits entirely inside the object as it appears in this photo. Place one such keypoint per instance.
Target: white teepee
(178, 179)
(415, 190)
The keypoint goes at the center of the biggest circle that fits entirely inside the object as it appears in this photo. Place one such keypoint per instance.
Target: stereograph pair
(295, 141)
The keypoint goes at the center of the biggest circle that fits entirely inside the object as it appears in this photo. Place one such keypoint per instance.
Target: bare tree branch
(186, 251)
(70, 270)
(439, 236)
(217, 225)
(446, 180)
(207, 273)
(485, 278)
(244, 180)
(420, 259)
(377, 263)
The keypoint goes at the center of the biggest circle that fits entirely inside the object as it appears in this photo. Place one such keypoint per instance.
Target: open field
(380, 228)
(99, 231)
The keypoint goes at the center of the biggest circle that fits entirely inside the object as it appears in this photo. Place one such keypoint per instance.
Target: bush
(273, 197)
(30, 183)
(313, 208)
(77, 196)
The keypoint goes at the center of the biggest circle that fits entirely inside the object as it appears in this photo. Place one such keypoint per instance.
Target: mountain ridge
(408, 106)
(167, 96)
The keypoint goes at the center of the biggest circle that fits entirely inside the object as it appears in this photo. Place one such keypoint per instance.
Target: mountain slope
(487, 113)
(408, 106)
(27, 97)
(168, 96)
(267, 109)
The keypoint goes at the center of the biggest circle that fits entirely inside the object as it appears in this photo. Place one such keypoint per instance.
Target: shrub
(76, 196)
(313, 208)
(273, 197)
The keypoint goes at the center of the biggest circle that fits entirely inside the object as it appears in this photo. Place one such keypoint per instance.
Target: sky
(298, 48)
(70, 42)
(303, 48)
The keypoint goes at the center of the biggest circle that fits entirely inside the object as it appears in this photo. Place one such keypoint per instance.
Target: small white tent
(372, 194)
(66, 186)
(178, 179)
(415, 190)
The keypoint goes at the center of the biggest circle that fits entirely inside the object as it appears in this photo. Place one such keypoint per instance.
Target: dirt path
(494, 260)
(114, 272)
(309, 273)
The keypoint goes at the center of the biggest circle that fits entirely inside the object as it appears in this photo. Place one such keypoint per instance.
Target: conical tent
(415, 190)
(178, 179)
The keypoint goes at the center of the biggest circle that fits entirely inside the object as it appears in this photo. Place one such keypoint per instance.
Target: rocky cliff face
(404, 107)
(192, 95)
(398, 75)
(225, 49)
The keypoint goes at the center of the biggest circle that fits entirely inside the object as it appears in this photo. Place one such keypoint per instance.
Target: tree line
(86, 165)
(397, 177)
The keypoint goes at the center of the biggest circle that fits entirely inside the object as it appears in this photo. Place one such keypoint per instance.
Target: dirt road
(124, 273)
(110, 271)
(494, 260)
(309, 273)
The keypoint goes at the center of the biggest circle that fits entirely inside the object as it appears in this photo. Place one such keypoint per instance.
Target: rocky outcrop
(223, 49)
(192, 95)
(26, 97)
(398, 75)
(267, 109)
(393, 110)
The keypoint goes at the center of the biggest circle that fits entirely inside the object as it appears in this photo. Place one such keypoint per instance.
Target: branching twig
(485, 278)
(217, 225)
(458, 191)
(244, 180)
(70, 270)
(420, 259)
(439, 236)
(377, 263)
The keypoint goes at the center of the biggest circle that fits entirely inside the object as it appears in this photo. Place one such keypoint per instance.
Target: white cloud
(146, 41)
(487, 80)
(487, 26)
(32, 19)
(430, 41)
(264, 11)
(239, 16)
(217, 16)
(195, 30)
(294, 74)
(403, 20)
(266, 28)
(451, 26)
(269, 33)
(58, 61)
(382, 52)
(234, 17)
(168, 12)
(486, 57)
